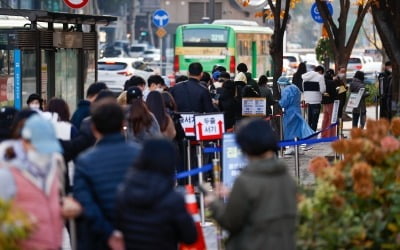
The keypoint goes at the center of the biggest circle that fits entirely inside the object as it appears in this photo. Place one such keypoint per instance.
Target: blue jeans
(313, 115)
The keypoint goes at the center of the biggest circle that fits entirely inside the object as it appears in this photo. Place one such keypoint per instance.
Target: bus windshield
(205, 37)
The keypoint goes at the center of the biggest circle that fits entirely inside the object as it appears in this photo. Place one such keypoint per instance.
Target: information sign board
(187, 123)
(233, 160)
(354, 100)
(209, 126)
(254, 106)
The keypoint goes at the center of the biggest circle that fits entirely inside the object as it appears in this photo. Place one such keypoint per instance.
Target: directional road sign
(160, 18)
(315, 12)
(76, 4)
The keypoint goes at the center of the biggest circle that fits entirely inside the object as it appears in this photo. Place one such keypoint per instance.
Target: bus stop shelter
(49, 53)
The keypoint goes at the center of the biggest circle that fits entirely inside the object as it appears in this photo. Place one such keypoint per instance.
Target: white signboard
(254, 107)
(354, 100)
(335, 111)
(209, 126)
(187, 122)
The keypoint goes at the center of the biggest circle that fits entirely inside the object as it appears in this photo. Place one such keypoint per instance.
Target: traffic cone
(191, 206)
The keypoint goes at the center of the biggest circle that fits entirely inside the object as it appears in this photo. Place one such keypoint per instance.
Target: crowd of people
(112, 165)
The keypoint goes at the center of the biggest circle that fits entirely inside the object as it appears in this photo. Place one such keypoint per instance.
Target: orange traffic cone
(191, 206)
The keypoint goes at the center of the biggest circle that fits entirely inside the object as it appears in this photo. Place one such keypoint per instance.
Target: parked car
(152, 55)
(115, 71)
(293, 58)
(137, 50)
(356, 62)
(372, 70)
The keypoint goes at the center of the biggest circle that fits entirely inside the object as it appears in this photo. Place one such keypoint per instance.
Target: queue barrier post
(200, 163)
(281, 132)
(188, 160)
(217, 181)
(297, 161)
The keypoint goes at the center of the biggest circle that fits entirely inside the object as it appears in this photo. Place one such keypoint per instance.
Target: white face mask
(159, 89)
(40, 160)
(34, 106)
(341, 75)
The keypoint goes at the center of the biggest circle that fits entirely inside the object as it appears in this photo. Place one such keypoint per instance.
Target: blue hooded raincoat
(293, 123)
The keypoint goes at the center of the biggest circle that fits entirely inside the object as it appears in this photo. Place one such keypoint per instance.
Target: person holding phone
(260, 211)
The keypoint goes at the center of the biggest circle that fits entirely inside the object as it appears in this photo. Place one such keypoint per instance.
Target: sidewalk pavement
(321, 149)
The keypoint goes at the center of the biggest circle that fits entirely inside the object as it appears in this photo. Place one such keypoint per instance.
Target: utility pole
(133, 20)
(211, 10)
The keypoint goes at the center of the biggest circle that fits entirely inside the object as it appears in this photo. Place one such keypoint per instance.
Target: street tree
(278, 11)
(337, 31)
(386, 14)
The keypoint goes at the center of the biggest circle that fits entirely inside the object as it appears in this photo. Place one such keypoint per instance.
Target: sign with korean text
(76, 4)
(254, 106)
(335, 111)
(233, 161)
(17, 80)
(354, 100)
(315, 12)
(187, 122)
(209, 126)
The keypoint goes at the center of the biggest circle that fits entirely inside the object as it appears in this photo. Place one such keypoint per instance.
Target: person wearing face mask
(385, 91)
(35, 102)
(34, 183)
(154, 83)
(341, 91)
(293, 123)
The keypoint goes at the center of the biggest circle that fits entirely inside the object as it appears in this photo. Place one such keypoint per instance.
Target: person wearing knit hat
(35, 102)
(260, 210)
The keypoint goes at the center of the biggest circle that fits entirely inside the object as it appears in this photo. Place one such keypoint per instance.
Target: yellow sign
(204, 51)
(161, 32)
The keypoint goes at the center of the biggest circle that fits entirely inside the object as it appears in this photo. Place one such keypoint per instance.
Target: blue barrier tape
(212, 150)
(313, 135)
(319, 132)
(308, 142)
(194, 171)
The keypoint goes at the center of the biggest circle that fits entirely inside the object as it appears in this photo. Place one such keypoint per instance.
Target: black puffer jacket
(151, 215)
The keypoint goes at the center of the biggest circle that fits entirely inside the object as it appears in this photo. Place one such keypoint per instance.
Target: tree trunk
(337, 32)
(386, 16)
(276, 51)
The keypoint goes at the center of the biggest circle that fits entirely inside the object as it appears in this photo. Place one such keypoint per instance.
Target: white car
(115, 71)
(293, 58)
(152, 55)
(356, 63)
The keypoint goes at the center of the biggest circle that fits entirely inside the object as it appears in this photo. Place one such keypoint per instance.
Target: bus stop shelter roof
(58, 17)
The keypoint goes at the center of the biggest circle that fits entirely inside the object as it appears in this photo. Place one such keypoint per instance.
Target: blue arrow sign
(315, 12)
(160, 18)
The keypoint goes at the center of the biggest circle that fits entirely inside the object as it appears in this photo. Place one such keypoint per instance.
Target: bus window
(205, 37)
(244, 48)
(264, 47)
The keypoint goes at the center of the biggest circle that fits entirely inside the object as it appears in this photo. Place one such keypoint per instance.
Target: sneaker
(289, 151)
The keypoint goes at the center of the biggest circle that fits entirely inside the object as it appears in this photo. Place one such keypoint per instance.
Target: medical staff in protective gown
(293, 123)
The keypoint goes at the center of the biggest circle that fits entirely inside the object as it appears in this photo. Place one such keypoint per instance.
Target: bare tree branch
(357, 25)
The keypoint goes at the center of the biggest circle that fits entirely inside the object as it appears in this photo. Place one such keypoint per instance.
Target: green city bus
(225, 43)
